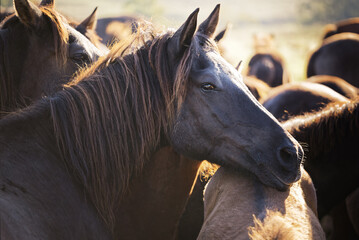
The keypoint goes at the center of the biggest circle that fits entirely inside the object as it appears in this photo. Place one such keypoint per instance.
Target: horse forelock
(326, 128)
(114, 115)
(59, 31)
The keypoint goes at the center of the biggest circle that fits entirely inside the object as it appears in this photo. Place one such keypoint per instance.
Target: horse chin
(269, 178)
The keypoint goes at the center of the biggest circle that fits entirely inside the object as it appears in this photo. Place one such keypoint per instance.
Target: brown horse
(238, 206)
(347, 25)
(114, 29)
(268, 66)
(338, 56)
(88, 28)
(88, 163)
(258, 88)
(337, 84)
(332, 139)
(39, 52)
(295, 99)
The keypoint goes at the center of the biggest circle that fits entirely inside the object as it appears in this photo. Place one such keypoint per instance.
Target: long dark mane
(327, 128)
(8, 86)
(116, 113)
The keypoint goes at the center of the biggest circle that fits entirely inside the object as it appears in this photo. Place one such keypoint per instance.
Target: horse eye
(208, 87)
(80, 58)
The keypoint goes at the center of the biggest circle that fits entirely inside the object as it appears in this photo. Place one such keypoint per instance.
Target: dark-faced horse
(39, 52)
(347, 25)
(100, 159)
(295, 99)
(332, 139)
(338, 56)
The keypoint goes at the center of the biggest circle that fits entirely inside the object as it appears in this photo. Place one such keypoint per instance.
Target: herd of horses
(104, 126)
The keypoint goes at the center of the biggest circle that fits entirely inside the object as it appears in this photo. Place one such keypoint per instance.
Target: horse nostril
(288, 158)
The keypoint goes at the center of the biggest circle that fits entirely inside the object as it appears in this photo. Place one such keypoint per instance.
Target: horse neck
(41, 194)
(335, 127)
(157, 197)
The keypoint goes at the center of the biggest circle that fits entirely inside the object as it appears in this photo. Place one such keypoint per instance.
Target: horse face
(219, 120)
(43, 58)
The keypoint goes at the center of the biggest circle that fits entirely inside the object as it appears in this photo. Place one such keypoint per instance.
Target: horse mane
(9, 98)
(339, 119)
(111, 118)
(275, 227)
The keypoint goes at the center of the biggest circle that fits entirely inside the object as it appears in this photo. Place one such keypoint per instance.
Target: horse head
(218, 119)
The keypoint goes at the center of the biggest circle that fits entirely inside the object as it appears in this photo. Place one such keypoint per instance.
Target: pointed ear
(48, 3)
(90, 22)
(208, 27)
(183, 36)
(27, 12)
(221, 34)
(238, 67)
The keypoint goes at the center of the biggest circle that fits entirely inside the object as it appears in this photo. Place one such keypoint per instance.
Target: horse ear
(48, 3)
(238, 67)
(220, 35)
(27, 12)
(208, 27)
(183, 36)
(91, 21)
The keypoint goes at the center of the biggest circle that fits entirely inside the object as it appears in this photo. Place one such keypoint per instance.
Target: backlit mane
(114, 114)
(9, 98)
(324, 128)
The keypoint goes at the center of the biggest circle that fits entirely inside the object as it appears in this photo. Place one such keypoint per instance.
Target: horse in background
(346, 25)
(4, 13)
(337, 84)
(331, 139)
(295, 99)
(88, 162)
(29, 68)
(238, 206)
(257, 87)
(267, 63)
(338, 56)
(115, 29)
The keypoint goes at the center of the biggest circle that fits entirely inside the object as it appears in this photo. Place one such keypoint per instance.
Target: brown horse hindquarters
(338, 56)
(294, 99)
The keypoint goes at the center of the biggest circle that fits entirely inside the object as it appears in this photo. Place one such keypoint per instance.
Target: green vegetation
(326, 11)
(5, 3)
(147, 8)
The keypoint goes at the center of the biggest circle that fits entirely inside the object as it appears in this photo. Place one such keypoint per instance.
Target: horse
(39, 52)
(269, 67)
(4, 13)
(331, 138)
(102, 158)
(114, 29)
(294, 99)
(338, 56)
(347, 25)
(238, 206)
(257, 87)
(337, 84)
(86, 27)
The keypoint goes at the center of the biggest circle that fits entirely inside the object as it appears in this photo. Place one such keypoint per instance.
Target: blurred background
(296, 25)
